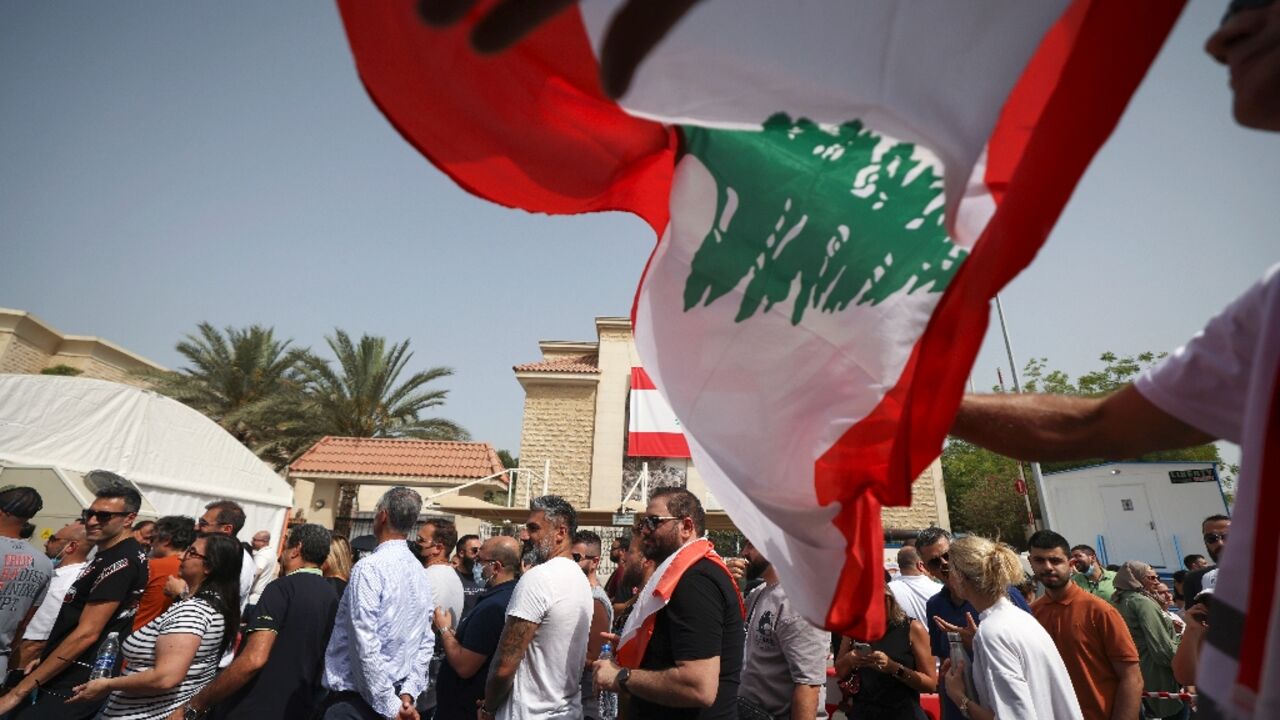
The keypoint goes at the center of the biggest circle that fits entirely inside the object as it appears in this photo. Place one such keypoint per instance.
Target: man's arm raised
(1123, 424)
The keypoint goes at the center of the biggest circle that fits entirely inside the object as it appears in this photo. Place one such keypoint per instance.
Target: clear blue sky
(169, 163)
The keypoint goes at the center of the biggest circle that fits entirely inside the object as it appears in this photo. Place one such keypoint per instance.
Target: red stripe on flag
(557, 146)
(1266, 552)
(657, 444)
(640, 379)
(1114, 45)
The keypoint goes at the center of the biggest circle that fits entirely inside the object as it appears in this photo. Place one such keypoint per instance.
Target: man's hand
(633, 32)
(408, 710)
(91, 691)
(737, 570)
(442, 619)
(966, 633)
(955, 681)
(606, 675)
(175, 587)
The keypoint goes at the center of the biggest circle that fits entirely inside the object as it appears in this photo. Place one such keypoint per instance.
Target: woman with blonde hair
(1017, 671)
(884, 679)
(337, 567)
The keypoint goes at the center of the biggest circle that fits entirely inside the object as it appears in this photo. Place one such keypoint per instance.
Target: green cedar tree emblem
(820, 216)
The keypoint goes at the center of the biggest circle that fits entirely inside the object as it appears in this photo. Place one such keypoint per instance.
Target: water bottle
(608, 702)
(960, 661)
(108, 651)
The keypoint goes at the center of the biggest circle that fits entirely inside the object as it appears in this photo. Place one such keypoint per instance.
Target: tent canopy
(180, 459)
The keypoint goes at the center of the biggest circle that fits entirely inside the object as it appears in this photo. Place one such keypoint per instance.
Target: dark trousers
(48, 704)
(347, 706)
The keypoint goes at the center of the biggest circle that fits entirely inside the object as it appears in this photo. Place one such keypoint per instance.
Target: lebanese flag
(839, 189)
(653, 430)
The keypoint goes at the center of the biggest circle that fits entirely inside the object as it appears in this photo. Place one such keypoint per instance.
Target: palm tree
(364, 399)
(245, 380)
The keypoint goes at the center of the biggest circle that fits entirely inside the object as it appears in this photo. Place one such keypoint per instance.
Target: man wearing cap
(25, 574)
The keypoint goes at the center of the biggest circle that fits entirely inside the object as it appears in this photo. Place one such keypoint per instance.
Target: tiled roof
(409, 458)
(589, 363)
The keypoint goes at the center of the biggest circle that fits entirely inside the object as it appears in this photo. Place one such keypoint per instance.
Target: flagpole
(1036, 477)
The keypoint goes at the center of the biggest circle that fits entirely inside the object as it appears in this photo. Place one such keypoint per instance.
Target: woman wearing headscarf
(1153, 633)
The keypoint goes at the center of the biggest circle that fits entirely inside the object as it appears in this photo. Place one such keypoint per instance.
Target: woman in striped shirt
(172, 657)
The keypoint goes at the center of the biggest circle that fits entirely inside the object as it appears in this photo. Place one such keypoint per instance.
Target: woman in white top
(1017, 671)
(172, 657)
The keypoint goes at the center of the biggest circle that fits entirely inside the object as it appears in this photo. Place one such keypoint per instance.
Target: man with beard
(469, 650)
(586, 552)
(681, 650)
(1090, 575)
(1215, 528)
(544, 641)
(784, 666)
(636, 570)
(464, 555)
(1092, 638)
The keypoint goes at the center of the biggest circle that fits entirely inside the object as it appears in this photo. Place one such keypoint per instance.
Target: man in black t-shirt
(465, 552)
(277, 671)
(102, 600)
(468, 650)
(691, 664)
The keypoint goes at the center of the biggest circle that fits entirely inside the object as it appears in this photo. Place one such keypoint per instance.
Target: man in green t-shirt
(1090, 574)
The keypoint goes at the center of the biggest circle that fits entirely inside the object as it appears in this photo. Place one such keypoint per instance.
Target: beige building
(28, 346)
(337, 482)
(575, 419)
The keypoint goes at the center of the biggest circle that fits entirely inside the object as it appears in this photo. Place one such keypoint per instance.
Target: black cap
(20, 501)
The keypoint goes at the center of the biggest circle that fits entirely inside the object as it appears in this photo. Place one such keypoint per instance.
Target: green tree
(364, 396)
(509, 461)
(245, 380)
(64, 370)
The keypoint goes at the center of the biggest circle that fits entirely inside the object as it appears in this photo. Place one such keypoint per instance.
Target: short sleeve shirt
(1090, 635)
(943, 605)
(117, 574)
(478, 632)
(702, 620)
(24, 578)
(557, 597)
(196, 616)
(782, 650)
(300, 609)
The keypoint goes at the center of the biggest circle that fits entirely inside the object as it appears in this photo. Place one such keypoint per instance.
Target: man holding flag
(680, 653)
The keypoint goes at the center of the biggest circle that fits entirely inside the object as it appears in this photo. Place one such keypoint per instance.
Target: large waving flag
(839, 188)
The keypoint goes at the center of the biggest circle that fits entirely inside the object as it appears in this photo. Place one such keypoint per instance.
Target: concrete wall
(28, 345)
(559, 422)
(928, 503)
(617, 355)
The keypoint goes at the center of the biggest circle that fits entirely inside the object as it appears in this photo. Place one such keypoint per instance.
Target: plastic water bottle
(105, 664)
(608, 702)
(960, 661)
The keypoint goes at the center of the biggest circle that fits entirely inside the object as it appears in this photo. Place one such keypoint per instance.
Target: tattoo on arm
(516, 636)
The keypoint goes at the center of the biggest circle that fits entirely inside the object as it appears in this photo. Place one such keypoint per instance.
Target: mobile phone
(861, 648)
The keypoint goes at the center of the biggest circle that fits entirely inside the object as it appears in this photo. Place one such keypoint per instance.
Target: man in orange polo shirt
(1090, 634)
(171, 537)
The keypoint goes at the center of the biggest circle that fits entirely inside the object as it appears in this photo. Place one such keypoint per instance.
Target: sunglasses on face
(101, 515)
(935, 564)
(651, 522)
(1214, 538)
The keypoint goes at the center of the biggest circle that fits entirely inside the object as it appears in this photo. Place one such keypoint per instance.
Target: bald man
(468, 650)
(265, 568)
(913, 587)
(69, 551)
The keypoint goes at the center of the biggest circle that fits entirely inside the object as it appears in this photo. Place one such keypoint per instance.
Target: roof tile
(406, 457)
(589, 363)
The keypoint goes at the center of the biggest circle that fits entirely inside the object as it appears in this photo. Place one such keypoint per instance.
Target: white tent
(179, 459)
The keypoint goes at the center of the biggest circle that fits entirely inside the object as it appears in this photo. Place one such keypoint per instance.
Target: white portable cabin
(1148, 511)
(55, 429)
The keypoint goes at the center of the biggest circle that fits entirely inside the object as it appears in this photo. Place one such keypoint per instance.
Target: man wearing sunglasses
(102, 600)
(1215, 529)
(436, 537)
(947, 613)
(690, 664)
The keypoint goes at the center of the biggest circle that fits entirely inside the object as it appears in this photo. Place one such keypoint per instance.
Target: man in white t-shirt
(265, 565)
(538, 665)
(69, 550)
(436, 538)
(913, 587)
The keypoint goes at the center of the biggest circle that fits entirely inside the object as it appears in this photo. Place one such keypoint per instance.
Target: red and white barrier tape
(1162, 695)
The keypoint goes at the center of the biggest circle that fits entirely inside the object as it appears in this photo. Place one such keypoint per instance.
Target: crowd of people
(427, 624)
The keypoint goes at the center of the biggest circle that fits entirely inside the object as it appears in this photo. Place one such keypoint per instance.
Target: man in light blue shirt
(376, 662)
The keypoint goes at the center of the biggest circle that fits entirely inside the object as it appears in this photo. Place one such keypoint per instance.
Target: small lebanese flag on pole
(653, 430)
(838, 190)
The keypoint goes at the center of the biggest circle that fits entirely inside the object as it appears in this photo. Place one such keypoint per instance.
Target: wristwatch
(901, 672)
(623, 676)
(964, 706)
